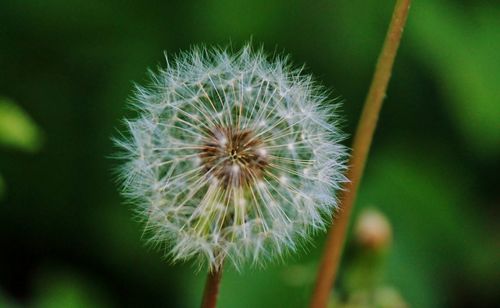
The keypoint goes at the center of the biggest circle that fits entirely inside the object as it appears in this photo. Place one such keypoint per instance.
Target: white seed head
(233, 157)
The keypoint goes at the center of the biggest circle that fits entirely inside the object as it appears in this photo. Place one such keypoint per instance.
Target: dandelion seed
(232, 157)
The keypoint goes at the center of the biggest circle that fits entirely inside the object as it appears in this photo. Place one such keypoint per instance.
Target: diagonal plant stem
(212, 288)
(361, 146)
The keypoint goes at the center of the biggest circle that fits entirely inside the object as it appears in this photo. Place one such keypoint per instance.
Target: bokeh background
(68, 67)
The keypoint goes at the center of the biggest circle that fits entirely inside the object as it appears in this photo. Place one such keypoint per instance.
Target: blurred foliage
(67, 240)
(60, 290)
(17, 130)
(2, 187)
(463, 57)
(428, 198)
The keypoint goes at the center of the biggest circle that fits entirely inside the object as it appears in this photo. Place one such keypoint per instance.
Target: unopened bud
(373, 230)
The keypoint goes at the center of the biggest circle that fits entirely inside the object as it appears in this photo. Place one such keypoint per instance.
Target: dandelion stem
(361, 146)
(211, 288)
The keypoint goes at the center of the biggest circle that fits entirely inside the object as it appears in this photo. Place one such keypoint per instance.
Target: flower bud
(373, 230)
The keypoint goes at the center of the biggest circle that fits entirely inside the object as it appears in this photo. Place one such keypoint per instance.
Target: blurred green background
(66, 70)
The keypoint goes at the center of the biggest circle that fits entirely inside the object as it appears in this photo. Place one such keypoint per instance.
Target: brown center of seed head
(233, 156)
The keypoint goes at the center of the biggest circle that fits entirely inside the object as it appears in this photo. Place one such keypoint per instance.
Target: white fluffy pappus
(234, 157)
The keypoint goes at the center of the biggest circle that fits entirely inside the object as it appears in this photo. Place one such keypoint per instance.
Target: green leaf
(66, 289)
(459, 48)
(17, 129)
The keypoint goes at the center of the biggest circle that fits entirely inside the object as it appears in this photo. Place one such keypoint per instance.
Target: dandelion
(233, 157)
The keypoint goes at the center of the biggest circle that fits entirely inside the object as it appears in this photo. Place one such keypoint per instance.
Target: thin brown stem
(212, 288)
(361, 146)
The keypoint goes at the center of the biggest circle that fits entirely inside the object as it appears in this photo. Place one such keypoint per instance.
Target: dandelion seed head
(233, 156)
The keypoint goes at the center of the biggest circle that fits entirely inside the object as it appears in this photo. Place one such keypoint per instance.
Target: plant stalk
(212, 288)
(361, 146)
